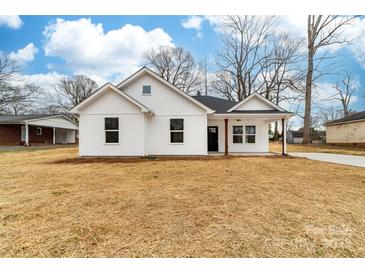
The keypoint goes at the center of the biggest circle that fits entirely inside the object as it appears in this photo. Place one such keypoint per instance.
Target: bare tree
(224, 85)
(322, 31)
(71, 91)
(330, 113)
(16, 95)
(8, 71)
(344, 92)
(24, 100)
(282, 78)
(176, 66)
(242, 56)
(204, 68)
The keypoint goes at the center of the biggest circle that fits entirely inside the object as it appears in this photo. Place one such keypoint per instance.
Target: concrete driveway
(350, 160)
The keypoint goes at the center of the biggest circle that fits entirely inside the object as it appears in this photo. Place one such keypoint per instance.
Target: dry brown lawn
(53, 204)
(348, 149)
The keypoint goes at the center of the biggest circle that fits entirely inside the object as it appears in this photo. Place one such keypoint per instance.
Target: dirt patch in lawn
(51, 206)
(348, 149)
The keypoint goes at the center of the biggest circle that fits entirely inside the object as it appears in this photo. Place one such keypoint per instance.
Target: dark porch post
(283, 143)
(226, 137)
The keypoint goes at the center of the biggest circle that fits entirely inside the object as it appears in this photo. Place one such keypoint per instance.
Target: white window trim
(237, 134)
(251, 134)
(178, 130)
(40, 132)
(110, 130)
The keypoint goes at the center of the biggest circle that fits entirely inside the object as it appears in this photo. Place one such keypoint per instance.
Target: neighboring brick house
(37, 129)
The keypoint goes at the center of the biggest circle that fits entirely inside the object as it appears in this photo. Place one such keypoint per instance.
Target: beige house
(350, 129)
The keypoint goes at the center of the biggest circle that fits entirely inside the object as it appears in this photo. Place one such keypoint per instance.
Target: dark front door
(212, 138)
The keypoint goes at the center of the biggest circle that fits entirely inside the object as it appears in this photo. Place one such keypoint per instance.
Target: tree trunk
(308, 98)
(276, 132)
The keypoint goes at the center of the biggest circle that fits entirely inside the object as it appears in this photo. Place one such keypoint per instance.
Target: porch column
(226, 137)
(283, 126)
(26, 134)
(54, 135)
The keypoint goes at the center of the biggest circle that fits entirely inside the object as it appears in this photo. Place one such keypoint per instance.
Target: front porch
(243, 134)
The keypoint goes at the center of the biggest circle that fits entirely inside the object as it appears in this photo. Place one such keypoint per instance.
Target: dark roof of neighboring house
(350, 118)
(218, 104)
(17, 119)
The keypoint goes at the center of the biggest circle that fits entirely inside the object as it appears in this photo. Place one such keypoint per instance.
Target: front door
(212, 138)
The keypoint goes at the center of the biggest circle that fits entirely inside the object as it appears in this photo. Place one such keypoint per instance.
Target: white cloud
(87, 49)
(45, 81)
(193, 22)
(356, 32)
(24, 55)
(11, 21)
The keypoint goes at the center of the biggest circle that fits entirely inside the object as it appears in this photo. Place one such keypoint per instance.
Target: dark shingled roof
(351, 118)
(222, 105)
(218, 104)
(17, 119)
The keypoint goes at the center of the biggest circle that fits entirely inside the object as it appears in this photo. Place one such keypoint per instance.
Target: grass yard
(348, 149)
(53, 204)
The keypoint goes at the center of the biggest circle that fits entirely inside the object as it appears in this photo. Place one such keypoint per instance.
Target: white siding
(92, 136)
(163, 100)
(255, 103)
(166, 104)
(131, 127)
(262, 135)
(110, 102)
(58, 122)
(158, 136)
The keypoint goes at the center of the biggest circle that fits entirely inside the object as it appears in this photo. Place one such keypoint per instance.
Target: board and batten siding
(158, 135)
(163, 100)
(131, 127)
(353, 132)
(168, 104)
(255, 104)
(262, 135)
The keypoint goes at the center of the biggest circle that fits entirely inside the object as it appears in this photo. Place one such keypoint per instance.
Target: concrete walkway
(350, 160)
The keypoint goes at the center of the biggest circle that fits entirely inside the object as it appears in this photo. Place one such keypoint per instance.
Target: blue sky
(108, 48)
(32, 29)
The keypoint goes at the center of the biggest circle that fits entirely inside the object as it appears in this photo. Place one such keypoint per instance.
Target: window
(39, 131)
(146, 90)
(237, 134)
(176, 130)
(111, 130)
(250, 134)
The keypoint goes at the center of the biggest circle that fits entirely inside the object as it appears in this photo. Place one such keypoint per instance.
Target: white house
(146, 115)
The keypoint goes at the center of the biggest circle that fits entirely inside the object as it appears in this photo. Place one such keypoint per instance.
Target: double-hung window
(111, 130)
(237, 134)
(176, 131)
(250, 134)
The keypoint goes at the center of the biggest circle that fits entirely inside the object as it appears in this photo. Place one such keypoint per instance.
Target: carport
(37, 129)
